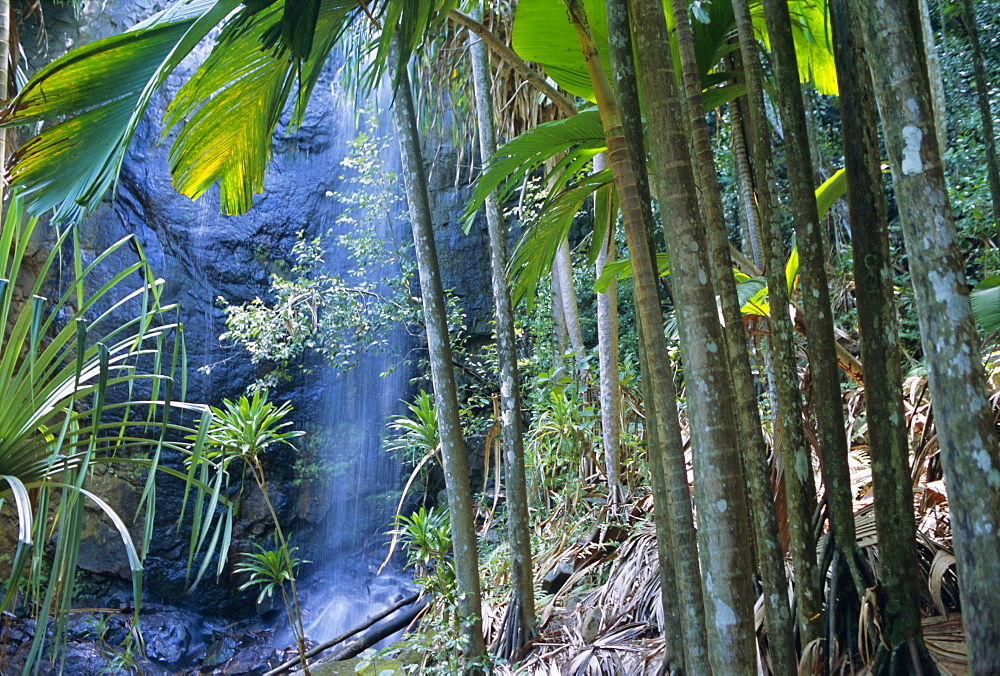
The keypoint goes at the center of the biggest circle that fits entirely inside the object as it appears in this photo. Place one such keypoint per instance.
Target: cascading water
(363, 479)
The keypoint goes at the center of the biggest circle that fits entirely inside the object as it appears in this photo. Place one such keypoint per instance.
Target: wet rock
(169, 635)
(252, 660)
(221, 650)
(85, 658)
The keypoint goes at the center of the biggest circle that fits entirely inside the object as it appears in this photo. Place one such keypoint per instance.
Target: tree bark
(817, 315)
(667, 457)
(887, 438)
(934, 75)
(562, 266)
(789, 434)
(720, 490)
(607, 352)
(771, 558)
(983, 100)
(963, 419)
(456, 471)
(512, 436)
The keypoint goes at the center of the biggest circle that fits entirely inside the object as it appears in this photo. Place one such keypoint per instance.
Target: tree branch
(564, 103)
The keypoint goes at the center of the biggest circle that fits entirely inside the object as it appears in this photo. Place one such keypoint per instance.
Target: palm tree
(521, 611)
(888, 448)
(226, 114)
(964, 420)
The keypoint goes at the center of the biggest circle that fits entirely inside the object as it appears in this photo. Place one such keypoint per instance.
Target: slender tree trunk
(518, 522)
(887, 440)
(744, 181)
(934, 75)
(964, 421)
(456, 471)
(562, 266)
(789, 434)
(667, 457)
(983, 99)
(817, 316)
(720, 489)
(674, 615)
(558, 326)
(771, 558)
(607, 352)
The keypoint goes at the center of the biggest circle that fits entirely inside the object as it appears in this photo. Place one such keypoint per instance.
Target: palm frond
(105, 88)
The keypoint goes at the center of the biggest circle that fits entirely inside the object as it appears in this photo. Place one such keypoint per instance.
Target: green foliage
(544, 35)
(415, 436)
(427, 537)
(82, 387)
(224, 116)
(269, 569)
(339, 316)
(561, 435)
(246, 428)
(985, 300)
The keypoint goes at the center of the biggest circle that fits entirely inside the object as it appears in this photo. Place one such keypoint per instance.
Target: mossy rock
(376, 666)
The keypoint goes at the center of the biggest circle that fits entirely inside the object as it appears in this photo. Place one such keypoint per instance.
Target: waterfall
(362, 479)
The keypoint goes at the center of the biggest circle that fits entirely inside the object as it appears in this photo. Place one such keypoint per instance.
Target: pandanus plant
(81, 387)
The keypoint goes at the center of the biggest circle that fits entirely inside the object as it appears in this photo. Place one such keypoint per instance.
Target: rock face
(203, 255)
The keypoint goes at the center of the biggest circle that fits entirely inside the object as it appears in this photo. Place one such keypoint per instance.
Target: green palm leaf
(534, 254)
(105, 88)
(985, 301)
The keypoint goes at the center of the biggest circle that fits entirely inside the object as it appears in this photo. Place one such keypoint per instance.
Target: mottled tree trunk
(964, 421)
(456, 471)
(518, 522)
(720, 490)
(666, 457)
(749, 220)
(771, 558)
(562, 266)
(789, 434)
(607, 353)
(887, 439)
(934, 75)
(817, 315)
(983, 100)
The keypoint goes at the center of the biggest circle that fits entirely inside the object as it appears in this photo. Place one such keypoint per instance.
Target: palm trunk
(771, 558)
(983, 99)
(607, 352)
(456, 471)
(558, 326)
(817, 315)
(674, 615)
(749, 220)
(934, 75)
(667, 457)
(562, 266)
(964, 421)
(518, 522)
(789, 434)
(720, 490)
(887, 439)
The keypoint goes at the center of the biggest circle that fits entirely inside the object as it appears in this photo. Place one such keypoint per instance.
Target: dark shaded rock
(170, 636)
(221, 650)
(557, 577)
(85, 658)
(252, 660)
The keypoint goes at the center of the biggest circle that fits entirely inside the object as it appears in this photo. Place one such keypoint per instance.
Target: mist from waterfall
(363, 479)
